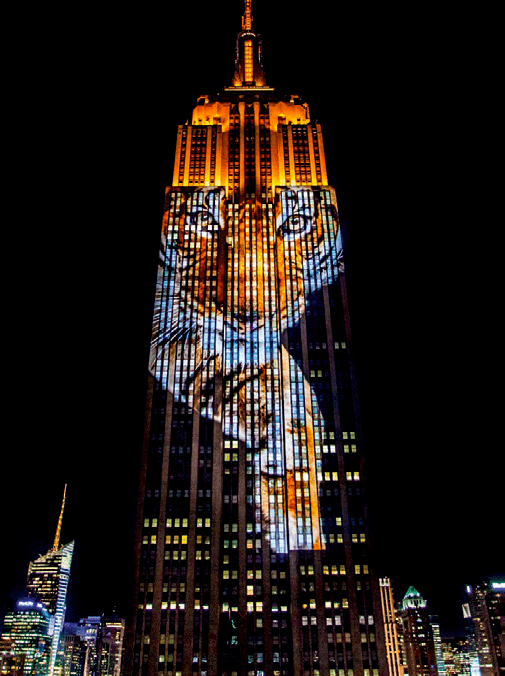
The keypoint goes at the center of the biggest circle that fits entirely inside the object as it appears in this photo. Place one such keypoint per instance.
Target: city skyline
(434, 371)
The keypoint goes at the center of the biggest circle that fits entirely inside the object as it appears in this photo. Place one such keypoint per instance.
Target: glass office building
(26, 628)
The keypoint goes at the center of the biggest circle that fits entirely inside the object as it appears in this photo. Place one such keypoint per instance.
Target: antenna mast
(247, 18)
(56, 543)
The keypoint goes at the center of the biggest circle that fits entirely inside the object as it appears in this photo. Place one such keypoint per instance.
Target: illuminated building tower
(252, 552)
(27, 630)
(74, 650)
(418, 641)
(393, 647)
(47, 581)
(437, 641)
(110, 646)
(88, 629)
(486, 607)
(456, 656)
(473, 656)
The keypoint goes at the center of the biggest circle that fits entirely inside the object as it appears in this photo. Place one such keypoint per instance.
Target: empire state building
(252, 548)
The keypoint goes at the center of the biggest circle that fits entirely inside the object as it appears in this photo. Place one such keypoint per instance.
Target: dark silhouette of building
(252, 551)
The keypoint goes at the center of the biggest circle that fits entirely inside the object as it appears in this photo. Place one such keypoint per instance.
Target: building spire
(56, 543)
(248, 68)
(247, 18)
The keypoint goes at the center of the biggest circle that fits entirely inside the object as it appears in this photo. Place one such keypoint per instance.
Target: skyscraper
(486, 606)
(72, 650)
(88, 629)
(110, 646)
(392, 639)
(252, 552)
(26, 627)
(417, 632)
(47, 581)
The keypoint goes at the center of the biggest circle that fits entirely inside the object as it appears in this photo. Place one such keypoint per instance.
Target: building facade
(486, 609)
(252, 552)
(457, 657)
(92, 647)
(110, 646)
(418, 640)
(26, 629)
(437, 641)
(72, 651)
(393, 638)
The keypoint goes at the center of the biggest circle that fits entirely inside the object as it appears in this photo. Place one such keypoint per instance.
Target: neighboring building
(47, 581)
(253, 548)
(418, 641)
(73, 649)
(472, 643)
(486, 608)
(26, 630)
(456, 656)
(110, 646)
(437, 640)
(11, 664)
(92, 647)
(88, 629)
(392, 637)
(448, 657)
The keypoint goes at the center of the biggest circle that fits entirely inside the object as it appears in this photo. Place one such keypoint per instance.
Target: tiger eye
(295, 225)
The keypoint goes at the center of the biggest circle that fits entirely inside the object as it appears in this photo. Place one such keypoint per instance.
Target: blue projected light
(231, 280)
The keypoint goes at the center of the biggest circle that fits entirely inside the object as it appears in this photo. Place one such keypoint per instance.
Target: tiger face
(232, 278)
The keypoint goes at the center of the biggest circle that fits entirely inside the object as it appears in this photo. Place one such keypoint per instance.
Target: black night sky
(404, 95)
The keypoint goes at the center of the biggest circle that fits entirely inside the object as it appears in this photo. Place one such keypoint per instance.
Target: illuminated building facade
(88, 629)
(418, 640)
(437, 641)
(252, 545)
(457, 657)
(486, 608)
(110, 646)
(11, 664)
(27, 630)
(392, 637)
(47, 581)
(72, 650)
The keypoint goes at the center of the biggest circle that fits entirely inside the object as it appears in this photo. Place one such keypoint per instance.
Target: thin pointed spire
(247, 18)
(56, 544)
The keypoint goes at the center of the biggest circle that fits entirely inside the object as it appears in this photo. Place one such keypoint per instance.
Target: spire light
(247, 18)
(56, 543)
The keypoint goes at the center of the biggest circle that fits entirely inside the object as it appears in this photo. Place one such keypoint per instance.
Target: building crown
(413, 599)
